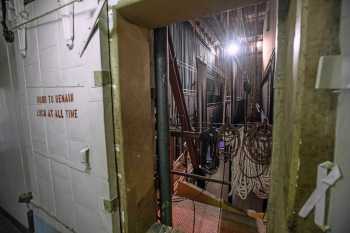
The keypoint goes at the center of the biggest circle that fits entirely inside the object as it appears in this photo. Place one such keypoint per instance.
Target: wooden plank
(133, 124)
(194, 193)
(155, 13)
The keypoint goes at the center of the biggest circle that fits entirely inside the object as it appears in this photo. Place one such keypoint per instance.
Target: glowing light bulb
(259, 45)
(232, 48)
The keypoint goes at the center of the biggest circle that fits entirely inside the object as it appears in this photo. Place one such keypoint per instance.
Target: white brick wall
(12, 174)
(51, 147)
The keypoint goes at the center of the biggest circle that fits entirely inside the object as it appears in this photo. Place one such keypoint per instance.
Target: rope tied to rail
(251, 157)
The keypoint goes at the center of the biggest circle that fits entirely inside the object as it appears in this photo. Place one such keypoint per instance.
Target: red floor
(206, 218)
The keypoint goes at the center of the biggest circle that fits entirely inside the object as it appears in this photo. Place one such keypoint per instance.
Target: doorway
(213, 102)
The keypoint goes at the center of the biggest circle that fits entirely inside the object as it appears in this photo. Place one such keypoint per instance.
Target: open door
(61, 135)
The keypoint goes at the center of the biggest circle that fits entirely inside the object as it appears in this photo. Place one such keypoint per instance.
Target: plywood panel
(134, 124)
(155, 13)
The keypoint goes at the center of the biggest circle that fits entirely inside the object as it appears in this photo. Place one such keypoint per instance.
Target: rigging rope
(251, 157)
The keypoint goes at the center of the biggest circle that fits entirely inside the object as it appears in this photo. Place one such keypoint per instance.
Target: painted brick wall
(51, 146)
(12, 174)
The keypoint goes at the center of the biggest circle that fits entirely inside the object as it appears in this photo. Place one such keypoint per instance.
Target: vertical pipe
(161, 76)
(224, 101)
(30, 219)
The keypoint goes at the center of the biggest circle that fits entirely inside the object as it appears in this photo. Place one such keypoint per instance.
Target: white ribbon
(318, 198)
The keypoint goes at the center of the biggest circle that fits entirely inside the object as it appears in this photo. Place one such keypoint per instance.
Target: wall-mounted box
(333, 72)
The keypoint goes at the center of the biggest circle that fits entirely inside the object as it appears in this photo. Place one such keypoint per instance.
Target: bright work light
(232, 48)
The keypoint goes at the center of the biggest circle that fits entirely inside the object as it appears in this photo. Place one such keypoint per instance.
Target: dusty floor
(206, 218)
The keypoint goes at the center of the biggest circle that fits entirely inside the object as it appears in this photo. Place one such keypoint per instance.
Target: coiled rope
(251, 158)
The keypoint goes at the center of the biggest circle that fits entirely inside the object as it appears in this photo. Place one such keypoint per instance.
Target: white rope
(248, 175)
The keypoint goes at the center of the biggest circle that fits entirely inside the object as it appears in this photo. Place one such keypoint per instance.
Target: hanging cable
(221, 194)
(194, 217)
(251, 167)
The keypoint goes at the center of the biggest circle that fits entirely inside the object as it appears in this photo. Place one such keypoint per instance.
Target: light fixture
(259, 45)
(232, 48)
(213, 50)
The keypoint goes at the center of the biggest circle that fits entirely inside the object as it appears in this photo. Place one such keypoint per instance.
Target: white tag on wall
(327, 175)
(333, 72)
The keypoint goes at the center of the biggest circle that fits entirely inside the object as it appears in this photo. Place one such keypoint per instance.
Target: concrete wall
(50, 146)
(304, 118)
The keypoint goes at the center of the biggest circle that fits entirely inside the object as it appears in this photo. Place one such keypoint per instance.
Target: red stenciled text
(56, 113)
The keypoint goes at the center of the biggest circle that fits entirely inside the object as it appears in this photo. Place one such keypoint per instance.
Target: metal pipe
(30, 219)
(198, 177)
(50, 215)
(161, 76)
(44, 14)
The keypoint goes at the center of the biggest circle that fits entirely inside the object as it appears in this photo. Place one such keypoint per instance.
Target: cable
(251, 168)
(194, 216)
(221, 194)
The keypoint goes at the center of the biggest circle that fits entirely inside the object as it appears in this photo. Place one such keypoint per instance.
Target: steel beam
(176, 88)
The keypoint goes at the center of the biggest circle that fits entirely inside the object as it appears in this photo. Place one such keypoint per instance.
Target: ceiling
(156, 13)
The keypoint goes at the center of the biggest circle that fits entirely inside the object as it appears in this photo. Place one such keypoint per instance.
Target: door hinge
(102, 78)
(111, 205)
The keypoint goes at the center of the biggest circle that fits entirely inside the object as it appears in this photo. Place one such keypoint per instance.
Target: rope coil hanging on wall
(251, 157)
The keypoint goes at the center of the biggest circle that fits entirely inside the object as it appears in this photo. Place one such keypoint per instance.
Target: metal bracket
(102, 78)
(333, 72)
(21, 14)
(111, 205)
(67, 14)
(25, 197)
